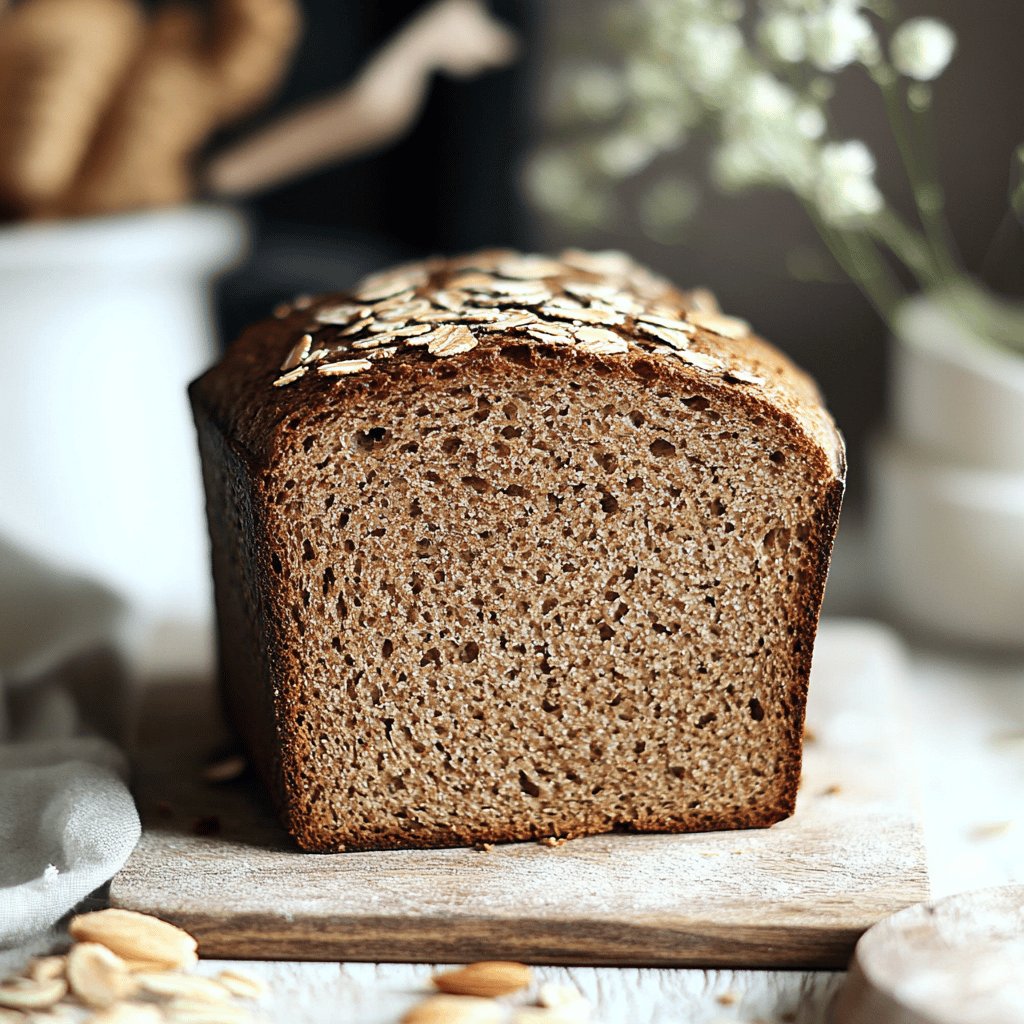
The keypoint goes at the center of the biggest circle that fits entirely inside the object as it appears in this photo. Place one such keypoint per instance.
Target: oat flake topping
(602, 303)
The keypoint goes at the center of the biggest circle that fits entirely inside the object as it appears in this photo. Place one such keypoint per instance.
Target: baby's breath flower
(838, 36)
(845, 193)
(921, 48)
(783, 37)
(666, 208)
(623, 154)
(594, 92)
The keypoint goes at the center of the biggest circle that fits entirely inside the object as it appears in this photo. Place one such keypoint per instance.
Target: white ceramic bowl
(948, 544)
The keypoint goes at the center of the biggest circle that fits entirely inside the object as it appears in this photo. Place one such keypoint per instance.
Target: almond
(96, 975)
(139, 939)
(24, 994)
(128, 1013)
(487, 978)
(455, 1010)
(197, 1011)
(184, 986)
(46, 968)
(244, 986)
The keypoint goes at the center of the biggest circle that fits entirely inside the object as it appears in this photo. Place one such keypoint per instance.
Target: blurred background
(454, 183)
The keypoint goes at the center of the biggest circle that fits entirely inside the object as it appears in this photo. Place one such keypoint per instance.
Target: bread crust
(245, 424)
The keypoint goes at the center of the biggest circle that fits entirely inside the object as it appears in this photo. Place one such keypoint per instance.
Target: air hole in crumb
(387, 648)
(605, 631)
(527, 785)
(308, 554)
(636, 418)
(308, 443)
(698, 402)
(450, 445)
(275, 564)
(478, 483)
(706, 720)
(777, 457)
(756, 711)
(609, 503)
(662, 449)
(678, 771)
(470, 652)
(548, 706)
(370, 439)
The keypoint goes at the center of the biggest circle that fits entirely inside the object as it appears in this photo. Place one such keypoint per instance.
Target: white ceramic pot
(946, 508)
(102, 325)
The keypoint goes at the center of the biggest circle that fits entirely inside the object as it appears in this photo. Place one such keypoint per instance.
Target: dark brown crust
(240, 418)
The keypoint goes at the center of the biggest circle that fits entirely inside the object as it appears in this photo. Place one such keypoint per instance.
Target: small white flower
(839, 36)
(712, 53)
(845, 193)
(782, 36)
(810, 121)
(623, 154)
(594, 92)
(922, 48)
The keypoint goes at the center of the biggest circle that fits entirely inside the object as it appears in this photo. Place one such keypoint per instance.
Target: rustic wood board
(796, 895)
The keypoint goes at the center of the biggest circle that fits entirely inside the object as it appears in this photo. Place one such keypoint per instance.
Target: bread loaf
(510, 547)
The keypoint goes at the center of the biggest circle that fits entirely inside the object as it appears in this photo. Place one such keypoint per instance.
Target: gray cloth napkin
(67, 820)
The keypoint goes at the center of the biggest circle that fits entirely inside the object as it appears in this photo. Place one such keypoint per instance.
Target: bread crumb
(484, 847)
(225, 769)
(727, 998)
(810, 736)
(991, 830)
(832, 790)
(553, 841)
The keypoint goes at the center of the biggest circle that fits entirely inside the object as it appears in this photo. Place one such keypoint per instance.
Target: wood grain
(796, 895)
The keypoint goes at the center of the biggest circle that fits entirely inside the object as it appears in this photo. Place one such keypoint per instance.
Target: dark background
(452, 185)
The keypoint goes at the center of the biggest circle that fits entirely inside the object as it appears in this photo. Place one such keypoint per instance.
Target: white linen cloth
(67, 819)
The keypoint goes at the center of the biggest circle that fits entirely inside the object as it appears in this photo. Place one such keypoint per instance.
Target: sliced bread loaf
(509, 547)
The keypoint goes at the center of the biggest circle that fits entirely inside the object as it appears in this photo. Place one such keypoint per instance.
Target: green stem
(856, 254)
(924, 187)
(908, 247)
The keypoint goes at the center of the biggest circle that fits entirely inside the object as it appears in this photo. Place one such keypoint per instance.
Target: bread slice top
(601, 308)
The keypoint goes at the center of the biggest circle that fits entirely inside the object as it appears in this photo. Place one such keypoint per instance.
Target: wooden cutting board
(796, 895)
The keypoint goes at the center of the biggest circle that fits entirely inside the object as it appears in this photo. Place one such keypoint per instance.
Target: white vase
(947, 483)
(103, 323)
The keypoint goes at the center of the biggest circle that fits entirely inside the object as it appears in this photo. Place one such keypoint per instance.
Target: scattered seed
(338, 314)
(356, 327)
(701, 360)
(344, 368)
(600, 341)
(288, 378)
(244, 986)
(185, 986)
(488, 978)
(530, 268)
(451, 341)
(227, 769)
(25, 994)
(718, 323)
(742, 377)
(197, 1011)
(46, 968)
(451, 1009)
(137, 938)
